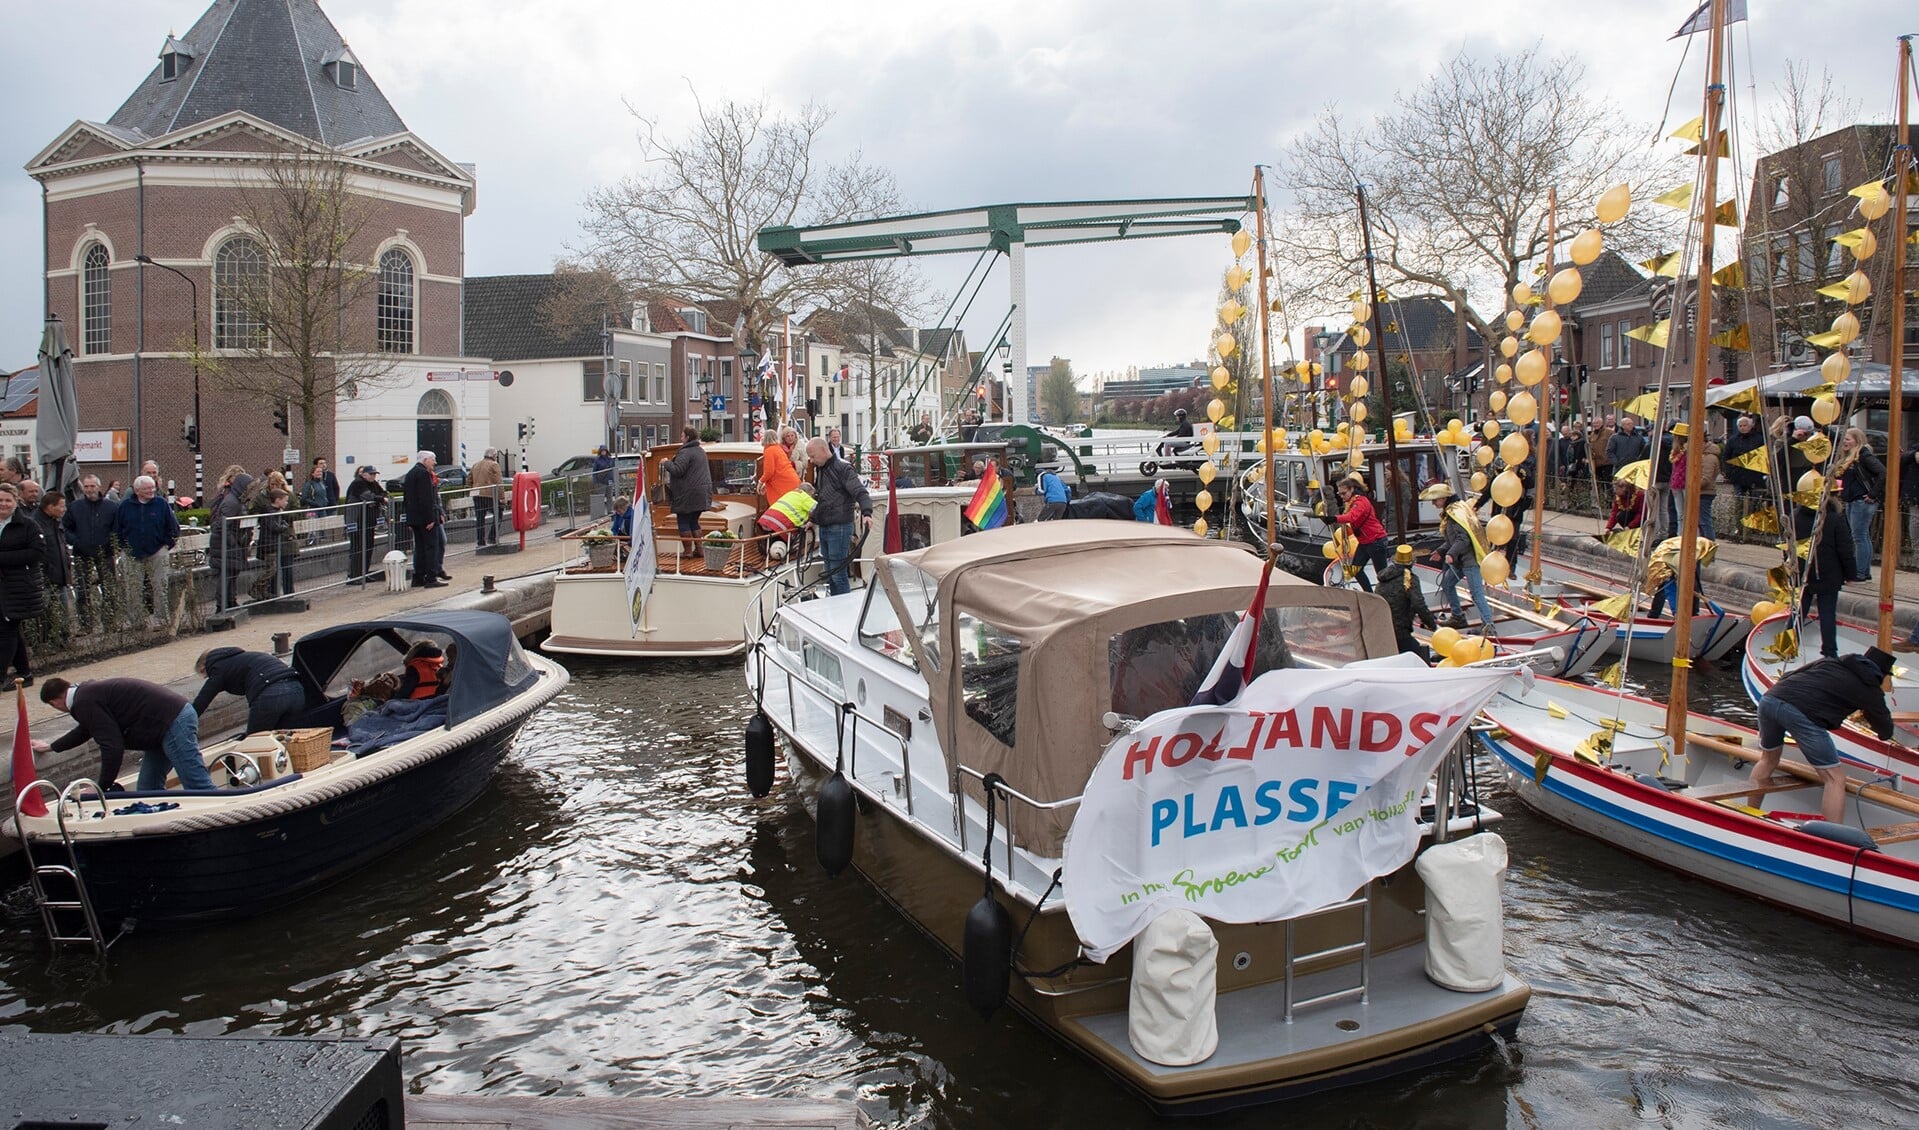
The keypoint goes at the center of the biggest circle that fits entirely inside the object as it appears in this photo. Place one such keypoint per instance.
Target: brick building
(1423, 333)
(251, 85)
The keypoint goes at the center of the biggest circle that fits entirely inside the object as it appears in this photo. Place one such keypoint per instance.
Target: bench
(1723, 792)
(1895, 833)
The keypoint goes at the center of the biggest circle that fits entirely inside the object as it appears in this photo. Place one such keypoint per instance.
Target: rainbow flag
(988, 508)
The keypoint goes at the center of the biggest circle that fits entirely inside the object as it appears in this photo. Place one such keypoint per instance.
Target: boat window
(1159, 666)
(880, 629)
(916, 531)
(989, 675)
(734, 474)
(517, 666)
(823, 665)
(920, 596)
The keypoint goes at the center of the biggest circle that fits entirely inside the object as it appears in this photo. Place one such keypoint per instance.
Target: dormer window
(174, 57)
(642, 320)
(694, 317)
(342, 68)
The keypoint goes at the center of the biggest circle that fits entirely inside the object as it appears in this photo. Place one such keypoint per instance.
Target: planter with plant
(718, 547)
(602, 549)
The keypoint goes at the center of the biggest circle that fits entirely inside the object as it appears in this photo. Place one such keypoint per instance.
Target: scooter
(1169, 449)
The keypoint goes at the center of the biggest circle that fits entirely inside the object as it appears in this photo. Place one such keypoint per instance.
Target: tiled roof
(504, 323)
(264, 57)
(935, 342)
(1609, 278)
(1425, 323)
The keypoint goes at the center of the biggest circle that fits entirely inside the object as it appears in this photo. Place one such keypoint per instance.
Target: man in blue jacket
(146, 526)
(89, 526)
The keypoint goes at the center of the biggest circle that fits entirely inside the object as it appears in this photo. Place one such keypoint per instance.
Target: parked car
(451, 478)
(583, 464)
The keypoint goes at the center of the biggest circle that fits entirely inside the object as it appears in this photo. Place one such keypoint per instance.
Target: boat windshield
(880, 629)
(919, 594)
(1159, 666)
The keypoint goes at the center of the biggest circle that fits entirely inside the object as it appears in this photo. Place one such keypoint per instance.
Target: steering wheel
(242, 772)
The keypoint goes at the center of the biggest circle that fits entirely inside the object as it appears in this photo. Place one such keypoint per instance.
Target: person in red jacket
(1358, 515)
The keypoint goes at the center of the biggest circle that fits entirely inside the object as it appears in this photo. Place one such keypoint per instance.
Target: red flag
(895, 542)
(23, 770)
(1162, 504)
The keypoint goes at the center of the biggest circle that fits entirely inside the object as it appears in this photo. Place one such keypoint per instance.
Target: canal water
(617, 917)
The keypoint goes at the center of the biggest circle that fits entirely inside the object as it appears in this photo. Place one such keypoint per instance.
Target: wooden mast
(1902, 166)
(1544, 415)
(1687, 565)
(1265, 352)
(1396, 511)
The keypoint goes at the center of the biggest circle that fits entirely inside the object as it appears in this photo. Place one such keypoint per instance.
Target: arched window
(239, 294)
(435, 403)
(395, 315)
(96, 301)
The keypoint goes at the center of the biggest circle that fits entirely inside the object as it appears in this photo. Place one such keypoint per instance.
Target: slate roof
(935, 342)
(1608, 279)
(503, 321)
(264, 57)
(1425, 321)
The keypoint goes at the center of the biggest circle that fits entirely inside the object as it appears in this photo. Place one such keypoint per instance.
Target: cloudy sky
(968, 103)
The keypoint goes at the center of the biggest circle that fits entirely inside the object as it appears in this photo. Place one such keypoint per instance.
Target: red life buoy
(526, 501)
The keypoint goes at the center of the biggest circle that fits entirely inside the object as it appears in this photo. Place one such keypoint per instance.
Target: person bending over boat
(1628, 506)
(273, 692)
(1812, 702)
(123, 714)
(1053, 490)
(1147, 507)
(1366, 527)
(787, 516)
(842, 497)
(1403, 595)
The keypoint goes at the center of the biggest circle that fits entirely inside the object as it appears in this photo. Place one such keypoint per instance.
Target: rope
(1043, 974)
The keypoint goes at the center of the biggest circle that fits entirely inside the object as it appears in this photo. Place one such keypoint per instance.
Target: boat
(1304, 502)
(1581, 640)
(969, 660)
(1715, 631)
(1768, 659)
(1600, 763)
(286, 825)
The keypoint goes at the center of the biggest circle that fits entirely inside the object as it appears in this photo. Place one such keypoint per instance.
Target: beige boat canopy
(1029, 634)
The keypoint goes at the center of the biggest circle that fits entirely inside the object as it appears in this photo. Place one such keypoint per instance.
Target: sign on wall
(101, 447)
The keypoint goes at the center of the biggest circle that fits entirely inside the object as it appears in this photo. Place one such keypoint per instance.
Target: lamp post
(749, 363)
(193, 429)
(1006, 363)
(705, 384)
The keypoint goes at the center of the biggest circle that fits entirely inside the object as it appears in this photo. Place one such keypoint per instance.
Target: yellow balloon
(1846, 326)
(1221, 378)
(1612, 204)
(1503, 373)
(1835, 368)
(1499, 530)
(1812, 482)
(1446, 439)
(1225, 345)
(1545, 328)
(1490, 429)
(1522, 409)
(1868, 243)
(1362, 310)
(1455, 425)
(1209, 443)
(1236, 277)
(1531, 367)
(1484, 456)
(1362, 362)
(1522, 294)
(1359, 386)
(1587, 245)
(1515, 319)
(1565, 285)
(1359, 412)
(1825, 409)
(1362, 336)
(1446, 662)
(1242, 240)
(1279, 439)
(1858, 288)
(1465, 651)
(1874, 202)
(1200, 527)
(1444, 639)
(1203, 500)
(1497, 401)
(1508, 346)
(1402, 430)
(1330, 550)
(1215, 408)
(1208, 471)
(1494, 569)
(1316, 436)
(1478, 482)
(1507, 488)
(1766, 610)
(1514, 449)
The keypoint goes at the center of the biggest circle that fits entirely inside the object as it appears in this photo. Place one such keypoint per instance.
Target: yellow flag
(1693, 131)
(1738, 337)
(1610, 677)
(1727, 214)
(1747, 401)
(1827, 340)
(1779, 584)
(1862, 191)
(1850, 239)
(1554, 709)
(1667, 264)
(1731, 275)
(1645, 405)
(1754, 460)
(1785, 645)
(1652, 335)
(1817, 447)
(1635, 473)
(1719, 150)
(1762, 521)
(1826, 389)
(1626, 542)
(1680, 197)
(1614, 607)
(1837, 290)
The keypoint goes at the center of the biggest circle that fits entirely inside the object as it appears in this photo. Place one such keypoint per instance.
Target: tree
(1457, 175)
(300, 306)
(1059, 393)
(687, 227)
(870, 303)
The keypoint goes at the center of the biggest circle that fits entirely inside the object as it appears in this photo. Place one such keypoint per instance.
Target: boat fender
(986, 955)
(1840, 834)
(759, 755)
(833, 824)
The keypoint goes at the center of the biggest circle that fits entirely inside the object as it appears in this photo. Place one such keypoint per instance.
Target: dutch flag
(1228, 676)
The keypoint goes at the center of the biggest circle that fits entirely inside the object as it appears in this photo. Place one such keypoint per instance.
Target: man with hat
(1460, 555)
(1402, 593)
(1812, 702)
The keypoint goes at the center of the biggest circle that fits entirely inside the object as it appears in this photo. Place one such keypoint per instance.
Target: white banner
(1294, 796)
(642, 561)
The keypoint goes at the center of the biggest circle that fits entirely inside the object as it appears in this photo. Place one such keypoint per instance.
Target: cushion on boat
(1840, 834)
(1169, 1018)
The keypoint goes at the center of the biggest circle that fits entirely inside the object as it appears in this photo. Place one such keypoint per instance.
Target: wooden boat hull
(1761, 669)
(1871, 892)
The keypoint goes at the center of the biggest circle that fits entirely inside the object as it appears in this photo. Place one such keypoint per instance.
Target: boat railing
(1011, 793)
(848, 735)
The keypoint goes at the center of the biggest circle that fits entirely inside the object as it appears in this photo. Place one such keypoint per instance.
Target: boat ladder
(58, 888)
(1363, 946)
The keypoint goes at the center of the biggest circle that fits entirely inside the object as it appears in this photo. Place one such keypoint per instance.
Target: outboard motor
(759, 755)
(986, 954)
(833, 824)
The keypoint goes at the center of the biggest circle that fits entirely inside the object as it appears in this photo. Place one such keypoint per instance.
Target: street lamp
(749, 371)
(705, 384)
(1006, 364)
(193, 429)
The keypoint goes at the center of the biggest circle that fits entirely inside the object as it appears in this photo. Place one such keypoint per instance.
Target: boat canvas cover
(1064, 589)
(488, 669)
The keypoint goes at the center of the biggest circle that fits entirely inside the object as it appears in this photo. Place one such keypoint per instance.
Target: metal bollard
(486, 584)
(283, 643)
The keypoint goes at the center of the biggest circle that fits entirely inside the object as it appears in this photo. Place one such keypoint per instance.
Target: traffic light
(280, 419)
(523, 433)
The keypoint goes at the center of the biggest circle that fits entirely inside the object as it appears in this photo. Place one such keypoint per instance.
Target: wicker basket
(602, 554)
(308, 749)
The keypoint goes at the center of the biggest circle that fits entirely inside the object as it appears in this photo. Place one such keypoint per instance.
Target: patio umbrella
(58, 429)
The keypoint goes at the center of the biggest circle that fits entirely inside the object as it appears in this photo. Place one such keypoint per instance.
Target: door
(436, 435)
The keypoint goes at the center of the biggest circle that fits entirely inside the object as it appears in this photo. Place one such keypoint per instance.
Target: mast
(1687, 565)
(1265, 351)
(1545, 406)
(1395, 511)
(1902, 165)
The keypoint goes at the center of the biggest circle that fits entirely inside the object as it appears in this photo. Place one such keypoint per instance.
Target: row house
(1442, 351)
